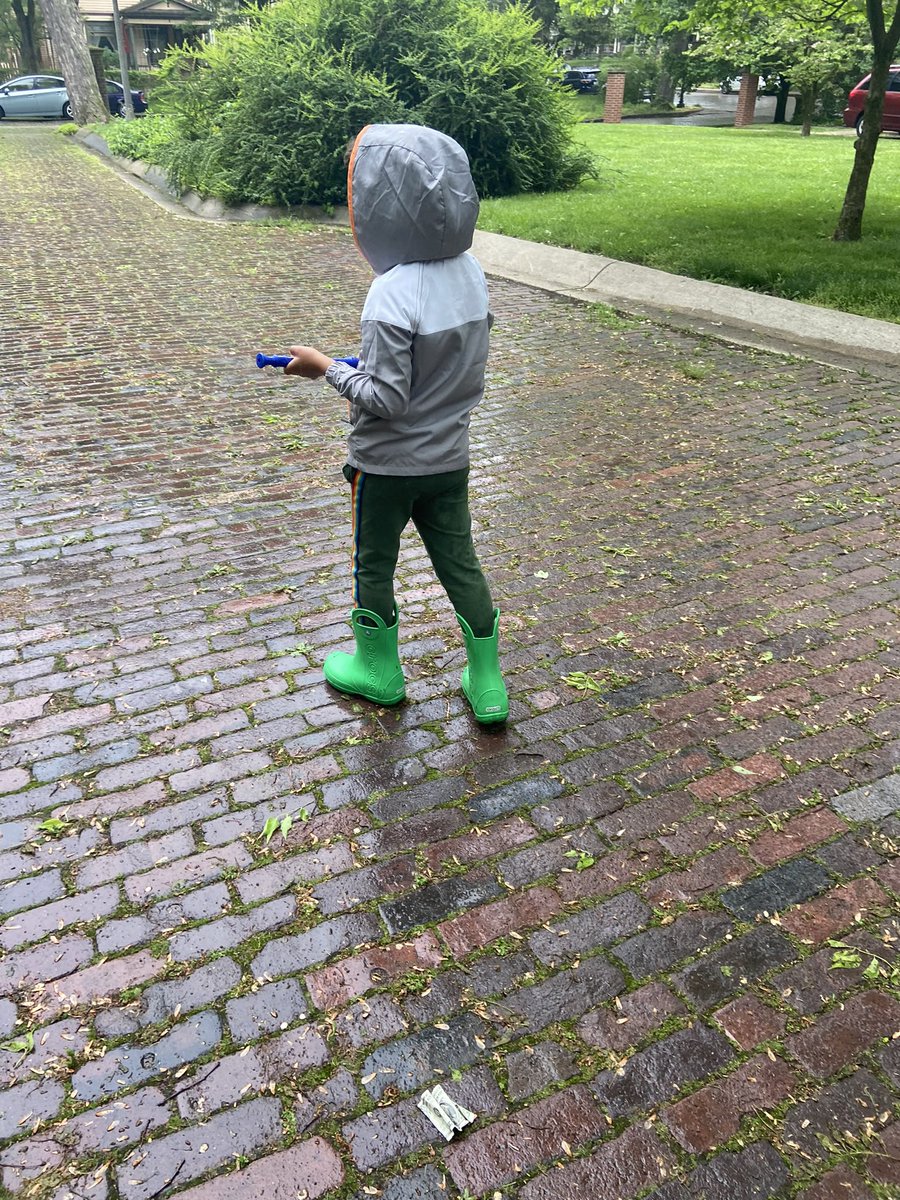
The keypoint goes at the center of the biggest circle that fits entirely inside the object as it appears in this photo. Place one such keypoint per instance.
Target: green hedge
(264, 113)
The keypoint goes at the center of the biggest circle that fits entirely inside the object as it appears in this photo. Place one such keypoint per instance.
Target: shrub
(264, 113)
(145, 139)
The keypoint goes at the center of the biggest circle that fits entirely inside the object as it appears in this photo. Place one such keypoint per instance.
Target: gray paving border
(716, 310)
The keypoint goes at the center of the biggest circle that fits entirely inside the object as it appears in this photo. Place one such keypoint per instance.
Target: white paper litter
(445, 1114)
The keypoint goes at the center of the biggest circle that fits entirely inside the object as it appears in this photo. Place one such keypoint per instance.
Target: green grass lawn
(755, 208)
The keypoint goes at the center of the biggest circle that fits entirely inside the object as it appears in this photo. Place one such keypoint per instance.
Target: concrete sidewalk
(748, 318)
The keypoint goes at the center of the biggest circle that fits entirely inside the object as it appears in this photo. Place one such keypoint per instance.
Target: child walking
(424, 337)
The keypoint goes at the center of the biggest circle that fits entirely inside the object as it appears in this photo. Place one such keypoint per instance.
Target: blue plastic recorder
(282, 360)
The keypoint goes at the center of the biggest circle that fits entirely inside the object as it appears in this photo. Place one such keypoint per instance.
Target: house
(150, 26)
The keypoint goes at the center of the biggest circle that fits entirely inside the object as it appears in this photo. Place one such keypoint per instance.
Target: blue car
(31, 96)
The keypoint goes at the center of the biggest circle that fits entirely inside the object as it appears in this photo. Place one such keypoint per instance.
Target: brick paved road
(609, 930)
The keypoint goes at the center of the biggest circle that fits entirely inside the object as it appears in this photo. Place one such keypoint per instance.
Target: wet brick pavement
(647, 933)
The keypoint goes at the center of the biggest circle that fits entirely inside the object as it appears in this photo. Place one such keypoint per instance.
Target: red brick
(827, 915)
(841, 1035)
(726, 824)
(677, 708)
(884, 1162)
(610, 873)
(23, 710)
(485, 844)
(793, 696)
(839, 1184)
(713, 1115)
(101, 982)
(711, 872)
(309, 1169)
(243, 1130)
(14, 780)
(61, 722)
(724, 784)
(334, 987)
(512, 914)
(825, 746)
(630, 1018)
(890, 875)
(50, 960)
(199, 868)
(620, 1168)
(748, 1021)
(496, 1154)
(114, 778)
(801, 832)
(647, 817)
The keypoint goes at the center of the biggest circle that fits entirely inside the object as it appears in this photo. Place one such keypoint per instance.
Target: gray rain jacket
(425, 322)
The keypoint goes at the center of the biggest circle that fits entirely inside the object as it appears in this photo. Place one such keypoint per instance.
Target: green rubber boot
(374, 671)
(481, 679)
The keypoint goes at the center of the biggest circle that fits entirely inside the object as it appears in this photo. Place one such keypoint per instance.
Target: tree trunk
(849, 226)
(665, 87)
(70, 49)
(807, 109)
(671, 66)
(25, 14)
(781, 101)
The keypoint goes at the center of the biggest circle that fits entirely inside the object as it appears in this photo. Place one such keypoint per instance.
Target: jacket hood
(410, 194)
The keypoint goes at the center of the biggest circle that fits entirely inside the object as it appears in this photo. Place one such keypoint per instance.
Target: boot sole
(363, 696)
(491, 720)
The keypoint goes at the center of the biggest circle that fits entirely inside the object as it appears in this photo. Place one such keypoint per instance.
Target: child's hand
(308, 362)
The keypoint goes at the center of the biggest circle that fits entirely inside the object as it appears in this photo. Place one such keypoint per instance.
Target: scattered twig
(159, 1191)
(187, 1087)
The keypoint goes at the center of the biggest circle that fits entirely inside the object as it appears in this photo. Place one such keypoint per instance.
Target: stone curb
(717, 310)
(208, 209)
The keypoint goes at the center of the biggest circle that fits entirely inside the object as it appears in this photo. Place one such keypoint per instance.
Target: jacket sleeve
(381, 383)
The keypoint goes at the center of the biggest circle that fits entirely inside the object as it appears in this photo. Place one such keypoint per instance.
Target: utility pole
(123, 62)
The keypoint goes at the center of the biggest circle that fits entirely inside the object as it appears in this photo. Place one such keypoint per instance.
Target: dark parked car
(115, 94)
(582, 79)
(856, 102)
(32, 96)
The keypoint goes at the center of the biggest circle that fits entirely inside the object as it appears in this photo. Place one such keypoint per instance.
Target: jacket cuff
(337, 372)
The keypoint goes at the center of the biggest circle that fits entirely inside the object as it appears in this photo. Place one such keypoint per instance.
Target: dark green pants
(438, 506)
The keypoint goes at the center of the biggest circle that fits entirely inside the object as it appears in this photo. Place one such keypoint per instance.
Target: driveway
(719, 109)
(646, 934)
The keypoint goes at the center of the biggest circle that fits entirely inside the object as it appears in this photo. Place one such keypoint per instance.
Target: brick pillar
(746, 105)
(615, 95)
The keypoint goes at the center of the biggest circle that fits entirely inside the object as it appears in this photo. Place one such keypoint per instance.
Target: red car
(856, 103)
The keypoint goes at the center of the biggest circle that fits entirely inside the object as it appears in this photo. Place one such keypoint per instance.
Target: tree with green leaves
(884, 27)
(806, 44)
(801, 28)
